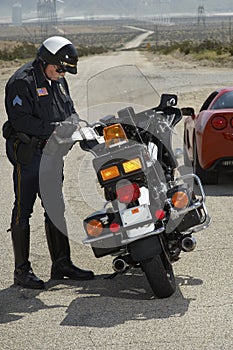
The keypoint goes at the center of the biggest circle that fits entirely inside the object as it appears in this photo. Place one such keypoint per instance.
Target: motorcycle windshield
(117, 88)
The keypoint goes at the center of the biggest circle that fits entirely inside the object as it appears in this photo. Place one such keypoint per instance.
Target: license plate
(135, 215)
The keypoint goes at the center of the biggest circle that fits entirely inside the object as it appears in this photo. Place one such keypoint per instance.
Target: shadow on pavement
(220, 190)
(100, 302)
(15, 302)
(106, 303)
(223, 188)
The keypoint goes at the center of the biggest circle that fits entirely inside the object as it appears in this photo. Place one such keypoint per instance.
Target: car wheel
(206, 177)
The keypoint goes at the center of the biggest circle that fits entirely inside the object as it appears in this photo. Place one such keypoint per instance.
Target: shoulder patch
(17, 101)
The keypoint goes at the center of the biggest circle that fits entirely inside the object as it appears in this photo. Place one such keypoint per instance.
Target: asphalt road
(122, 313)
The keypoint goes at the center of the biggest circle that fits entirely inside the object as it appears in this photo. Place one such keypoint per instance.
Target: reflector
(114, 227)
(160, 214)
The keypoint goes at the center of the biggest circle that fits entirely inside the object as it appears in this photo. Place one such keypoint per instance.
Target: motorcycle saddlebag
(192, 218)
(105, 247)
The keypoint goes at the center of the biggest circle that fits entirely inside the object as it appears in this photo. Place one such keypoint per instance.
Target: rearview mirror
(188, 111)
(168, 100)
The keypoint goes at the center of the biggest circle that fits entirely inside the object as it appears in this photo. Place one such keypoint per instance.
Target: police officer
(36, 98)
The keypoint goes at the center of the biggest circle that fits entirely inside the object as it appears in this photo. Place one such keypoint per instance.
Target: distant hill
(140, 7)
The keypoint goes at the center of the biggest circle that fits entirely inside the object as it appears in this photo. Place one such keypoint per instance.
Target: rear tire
(206, 177)
(159, 273)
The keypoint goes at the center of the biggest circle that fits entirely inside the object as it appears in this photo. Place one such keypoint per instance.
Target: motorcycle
(151, 208)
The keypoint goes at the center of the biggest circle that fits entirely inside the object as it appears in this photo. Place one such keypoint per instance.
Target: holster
(24, 145)
(25, 148)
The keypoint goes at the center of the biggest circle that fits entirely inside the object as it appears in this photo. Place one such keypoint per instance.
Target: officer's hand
(74, 118)
(65, 129)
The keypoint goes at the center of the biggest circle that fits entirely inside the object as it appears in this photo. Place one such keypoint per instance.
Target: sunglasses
(66, 67)
(61, 69)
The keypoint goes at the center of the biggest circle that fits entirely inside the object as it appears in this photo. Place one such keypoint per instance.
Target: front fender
(145, 248)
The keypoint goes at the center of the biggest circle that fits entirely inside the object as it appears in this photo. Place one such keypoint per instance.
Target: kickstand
(114, 274)
(110, 277)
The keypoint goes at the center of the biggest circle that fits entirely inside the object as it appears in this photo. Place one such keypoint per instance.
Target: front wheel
(159, 273)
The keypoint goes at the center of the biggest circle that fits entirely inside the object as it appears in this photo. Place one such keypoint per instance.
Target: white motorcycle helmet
(59, 51)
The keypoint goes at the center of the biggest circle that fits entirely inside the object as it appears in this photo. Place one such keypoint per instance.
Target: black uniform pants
(43, 176)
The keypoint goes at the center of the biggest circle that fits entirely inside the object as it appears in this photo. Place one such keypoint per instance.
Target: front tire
(159, 273)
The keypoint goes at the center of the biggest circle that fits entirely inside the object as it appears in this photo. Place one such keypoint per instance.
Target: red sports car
(208, 136)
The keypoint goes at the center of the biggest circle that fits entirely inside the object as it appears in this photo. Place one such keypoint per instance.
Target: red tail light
(219, 122)
(128, 193)
(232, 122)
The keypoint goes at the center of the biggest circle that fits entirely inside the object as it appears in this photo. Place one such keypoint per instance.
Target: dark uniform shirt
(34, 104)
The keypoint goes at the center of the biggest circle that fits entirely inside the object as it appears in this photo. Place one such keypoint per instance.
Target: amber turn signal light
(180, 200)
(109, 173)
(94, 228)
(132, 165)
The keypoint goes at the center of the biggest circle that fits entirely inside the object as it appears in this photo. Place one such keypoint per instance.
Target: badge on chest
(63, 91)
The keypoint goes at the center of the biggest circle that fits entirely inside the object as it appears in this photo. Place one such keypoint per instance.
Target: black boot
(59, 249)
(23, 274)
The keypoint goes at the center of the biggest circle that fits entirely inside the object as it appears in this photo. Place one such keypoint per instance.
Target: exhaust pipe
(188, 243)
(119, 265)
